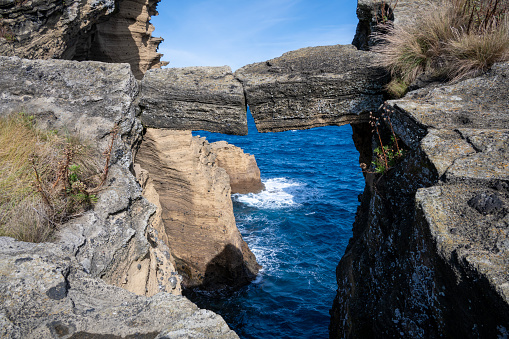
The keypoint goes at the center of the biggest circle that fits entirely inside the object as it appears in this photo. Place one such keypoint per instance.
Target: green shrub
(450, 40)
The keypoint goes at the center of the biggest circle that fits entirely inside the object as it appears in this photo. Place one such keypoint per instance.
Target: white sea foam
(274, 196)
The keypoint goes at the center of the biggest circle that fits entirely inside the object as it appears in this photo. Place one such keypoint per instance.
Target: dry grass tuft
(44, 178)
(451, 40)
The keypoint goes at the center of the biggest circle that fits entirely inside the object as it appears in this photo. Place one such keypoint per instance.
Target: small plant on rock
(386, 155)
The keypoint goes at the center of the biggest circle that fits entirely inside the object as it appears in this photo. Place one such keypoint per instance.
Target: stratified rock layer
(311, 87)
(241, 167)
(194, 98)
(109, 31)
(197, 210)
(430, 253)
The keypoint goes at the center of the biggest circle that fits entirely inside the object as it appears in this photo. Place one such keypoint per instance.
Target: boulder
(197, 211)
(194, 98)
(241, 167)
(311, 87)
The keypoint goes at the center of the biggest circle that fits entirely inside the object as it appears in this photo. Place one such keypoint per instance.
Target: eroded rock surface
(109, 31)
(241, 167)
(194, 98)
(430, 251)
(311, 87)
(61, 289)
(44, 293)
(197, 210)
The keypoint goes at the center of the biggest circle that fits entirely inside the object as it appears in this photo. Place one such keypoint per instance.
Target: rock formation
(44, 293)
(311, 87)
(241, 167)
(50, 290)
(197, 210)
(194, 98)
(370, 13)
(110, 31)
(429, 253)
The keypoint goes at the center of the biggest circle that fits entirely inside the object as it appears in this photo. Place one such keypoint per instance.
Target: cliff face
(197, 210)
(429, 253)
(72, 287)
(109, 31)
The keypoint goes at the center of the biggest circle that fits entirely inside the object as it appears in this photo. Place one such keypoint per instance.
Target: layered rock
(241, 167)
(44, 293)
(311, 87)
(110, 31)
(125, 37)
(430, 248)
(194, 98)
(197, 210)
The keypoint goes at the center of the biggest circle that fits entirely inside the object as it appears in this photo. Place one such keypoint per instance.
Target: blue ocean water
(298, 229)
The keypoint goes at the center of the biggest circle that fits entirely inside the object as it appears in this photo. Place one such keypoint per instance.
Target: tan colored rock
(197, 210)
(127, 37)
(99, 30)
(241, 167)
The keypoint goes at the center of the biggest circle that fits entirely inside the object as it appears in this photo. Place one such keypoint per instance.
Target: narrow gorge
(429, 252)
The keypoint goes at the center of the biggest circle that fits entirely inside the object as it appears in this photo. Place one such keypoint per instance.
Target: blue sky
(239, 32)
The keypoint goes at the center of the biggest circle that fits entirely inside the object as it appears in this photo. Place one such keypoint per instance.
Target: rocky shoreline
(429, 253)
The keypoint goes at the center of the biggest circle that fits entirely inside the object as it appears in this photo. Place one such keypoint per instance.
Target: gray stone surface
(86, 98)
(194, 98)
(45, 294)
(433, 229)
(71, 288)
(311, 87)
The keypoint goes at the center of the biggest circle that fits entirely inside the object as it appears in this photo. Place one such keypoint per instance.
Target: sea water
(298, 228)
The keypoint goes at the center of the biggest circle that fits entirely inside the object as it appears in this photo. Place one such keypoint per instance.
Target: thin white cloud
(235, 33)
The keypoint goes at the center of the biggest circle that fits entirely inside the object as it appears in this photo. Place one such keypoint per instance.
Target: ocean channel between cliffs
(298, 228)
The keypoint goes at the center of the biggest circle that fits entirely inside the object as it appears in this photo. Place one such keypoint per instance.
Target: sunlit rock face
(109, 31)
(311, 87)
(196, 210)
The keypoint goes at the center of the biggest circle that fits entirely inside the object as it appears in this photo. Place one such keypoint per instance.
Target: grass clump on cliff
(452, 39)
(44, 179)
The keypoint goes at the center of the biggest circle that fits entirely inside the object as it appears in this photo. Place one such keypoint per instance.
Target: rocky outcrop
(311, 87)
(241, 167)
(194, 98)
(197, 210)
(430, 248)
(44, 293)
(370, 14)
(110, 31)
(125, 37)
(71, 288)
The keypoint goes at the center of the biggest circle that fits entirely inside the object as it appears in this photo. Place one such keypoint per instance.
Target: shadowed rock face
(109, 31)
(430, 249)
(194, 98)
(311, 87)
